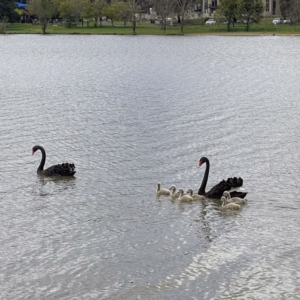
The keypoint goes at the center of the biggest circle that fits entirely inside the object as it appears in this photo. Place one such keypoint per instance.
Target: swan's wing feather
(65, 169)
(231, 185)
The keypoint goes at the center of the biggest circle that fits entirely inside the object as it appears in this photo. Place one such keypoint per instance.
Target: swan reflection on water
(48, 190)
(60, 182)
(56, 179)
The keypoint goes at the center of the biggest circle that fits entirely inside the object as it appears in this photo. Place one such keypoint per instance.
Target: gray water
(131, 112)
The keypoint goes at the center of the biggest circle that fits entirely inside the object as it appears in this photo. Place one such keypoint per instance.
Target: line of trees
(122, 10)
(128, 10)
(247, 10)
(74, 10)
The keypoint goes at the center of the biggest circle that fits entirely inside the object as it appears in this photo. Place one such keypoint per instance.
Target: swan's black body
(225, 185)
(64, 169)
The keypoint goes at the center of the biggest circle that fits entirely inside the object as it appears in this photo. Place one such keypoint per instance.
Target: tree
(66, 10)
(290, 9)
(164, 8)
(70, 10)
(134, 8)
(43, 9)
(229, 9)
(98, 6)
(285, 6)
(110, 11)
(251, 11)
(294, 14)
(78, 8)
(3, 24)
(22, 14)
(88, 11)
(123, 12)
(181, 7)
(7, 9)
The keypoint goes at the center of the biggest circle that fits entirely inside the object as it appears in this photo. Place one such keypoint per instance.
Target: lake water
(131, 111)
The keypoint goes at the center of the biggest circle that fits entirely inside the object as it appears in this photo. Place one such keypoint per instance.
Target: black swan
(233, 185)
(64, 169)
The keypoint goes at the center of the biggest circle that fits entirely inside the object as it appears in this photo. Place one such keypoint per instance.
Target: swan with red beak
(233, 185)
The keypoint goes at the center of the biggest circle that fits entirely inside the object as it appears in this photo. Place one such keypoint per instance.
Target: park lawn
(145, 28)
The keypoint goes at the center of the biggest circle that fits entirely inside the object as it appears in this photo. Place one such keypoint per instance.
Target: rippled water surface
(130, 112)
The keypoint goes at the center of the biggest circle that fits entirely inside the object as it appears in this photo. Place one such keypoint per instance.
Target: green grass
(145, 28)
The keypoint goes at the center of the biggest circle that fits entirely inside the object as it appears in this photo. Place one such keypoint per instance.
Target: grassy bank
(145, 28)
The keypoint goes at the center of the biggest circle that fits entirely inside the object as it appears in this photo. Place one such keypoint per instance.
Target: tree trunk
(133, 24)
(164, 25)
(3, 24)
(44, 24)
(181, 25)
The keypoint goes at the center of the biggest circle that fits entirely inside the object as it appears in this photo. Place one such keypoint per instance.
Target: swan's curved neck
(228, 196)
(41, 166)
(223, 201)
(158, 185)
(205, 178)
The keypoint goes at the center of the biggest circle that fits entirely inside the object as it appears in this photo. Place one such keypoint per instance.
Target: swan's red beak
(32, 151)
(200, 163)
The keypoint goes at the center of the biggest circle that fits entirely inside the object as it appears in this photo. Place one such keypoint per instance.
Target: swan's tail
(65, 169)
(234, 187)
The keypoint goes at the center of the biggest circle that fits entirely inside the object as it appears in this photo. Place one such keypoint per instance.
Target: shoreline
(166, 35)
(145, 29)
